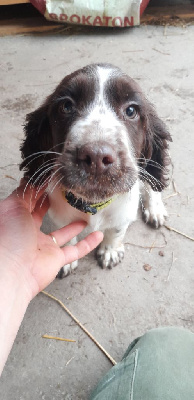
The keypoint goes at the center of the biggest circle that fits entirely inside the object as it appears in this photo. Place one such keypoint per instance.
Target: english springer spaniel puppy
(94, 139)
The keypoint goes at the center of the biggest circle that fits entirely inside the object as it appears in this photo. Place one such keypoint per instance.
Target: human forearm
(14, 301)
(30, 259)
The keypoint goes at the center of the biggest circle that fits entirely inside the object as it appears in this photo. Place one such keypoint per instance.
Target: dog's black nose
(96, 157)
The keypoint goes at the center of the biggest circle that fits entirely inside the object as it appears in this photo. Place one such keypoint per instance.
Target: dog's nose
(95, 157)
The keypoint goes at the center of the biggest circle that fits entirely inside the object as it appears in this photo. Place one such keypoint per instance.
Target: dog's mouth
(90, 190)
(81, 190)
(96, 179)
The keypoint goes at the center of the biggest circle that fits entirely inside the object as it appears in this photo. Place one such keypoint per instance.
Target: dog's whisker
(47, 181)
(35, 158)
(42, 174)
(45, 171)
(148, 193)
(37, 179)
(148, 180)
(44, 181)
(31, 179)
(56, 172)
(152, 179)
(43, 199)
(55, 181)
(40, 153)
(152, 163)
(56, 145)
(56, 184)
(48, 163)
(25, 188)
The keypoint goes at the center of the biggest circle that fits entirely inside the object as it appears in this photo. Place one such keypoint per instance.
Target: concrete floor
(120, 304)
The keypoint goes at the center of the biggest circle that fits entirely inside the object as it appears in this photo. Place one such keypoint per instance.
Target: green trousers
(157, 366)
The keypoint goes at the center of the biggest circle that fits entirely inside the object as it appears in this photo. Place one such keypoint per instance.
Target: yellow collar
(81, 205)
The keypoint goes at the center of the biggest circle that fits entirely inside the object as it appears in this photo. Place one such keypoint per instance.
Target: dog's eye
(131, 111)
(67, 107)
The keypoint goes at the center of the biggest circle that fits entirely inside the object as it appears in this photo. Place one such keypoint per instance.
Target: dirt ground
(120, 304)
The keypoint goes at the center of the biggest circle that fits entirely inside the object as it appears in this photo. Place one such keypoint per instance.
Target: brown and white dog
(94, 139)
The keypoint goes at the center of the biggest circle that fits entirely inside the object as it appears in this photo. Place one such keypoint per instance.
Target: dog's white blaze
(101, 122)
(103, 75)
(101, 113)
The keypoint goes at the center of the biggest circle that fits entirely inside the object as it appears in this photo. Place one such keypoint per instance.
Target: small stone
(147, 267)
(161, 253)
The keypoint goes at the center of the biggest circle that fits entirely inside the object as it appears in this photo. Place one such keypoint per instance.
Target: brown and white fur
(97, 136)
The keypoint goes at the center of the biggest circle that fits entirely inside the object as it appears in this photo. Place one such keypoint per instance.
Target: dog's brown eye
(131, 112)
(67, 107)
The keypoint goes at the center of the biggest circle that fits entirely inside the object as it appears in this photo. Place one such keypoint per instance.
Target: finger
(68, 232)
(72, 253)
(48, 268)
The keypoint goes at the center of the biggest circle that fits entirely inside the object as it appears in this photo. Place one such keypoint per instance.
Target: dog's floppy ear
(156, 150)
(37, 142)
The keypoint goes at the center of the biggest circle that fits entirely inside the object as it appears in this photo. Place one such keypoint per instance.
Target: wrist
(17, 276)
(14, 300)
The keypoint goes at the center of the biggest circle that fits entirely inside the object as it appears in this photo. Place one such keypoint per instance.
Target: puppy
(94, 139)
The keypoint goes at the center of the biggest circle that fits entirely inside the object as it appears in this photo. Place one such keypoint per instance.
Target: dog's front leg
(60, 215)
(154, 211)
(68, 268)
(111, 250)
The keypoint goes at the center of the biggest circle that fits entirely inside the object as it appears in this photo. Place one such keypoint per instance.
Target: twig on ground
(186, 320)
(67, 363)
(81, 326)
(146, 247)
(10, 177)
(176, 192)
(174, 186)
(173, 260)
(170, 195)
(131, 51)
(9, 165)
(170, 119)
(152, 247)
(161, 52)
(165, 29)
(57, 338)
(180, 233)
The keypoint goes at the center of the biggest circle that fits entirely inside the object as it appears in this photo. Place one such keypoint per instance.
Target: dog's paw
(109, 257)
(155, 214)
(67, 270)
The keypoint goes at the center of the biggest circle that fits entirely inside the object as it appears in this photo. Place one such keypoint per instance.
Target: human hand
(29, 253)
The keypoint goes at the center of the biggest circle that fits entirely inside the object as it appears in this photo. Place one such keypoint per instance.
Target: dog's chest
(121, 211)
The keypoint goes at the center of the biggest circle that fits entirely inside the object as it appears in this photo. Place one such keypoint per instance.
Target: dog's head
(95, 135)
